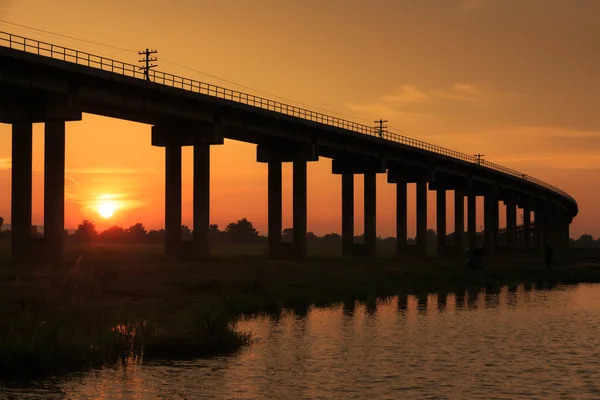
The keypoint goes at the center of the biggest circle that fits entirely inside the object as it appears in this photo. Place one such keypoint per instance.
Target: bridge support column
(401, 217)
(495, 223)
(275, 207)
(276, 153)
(347, 214)
(441, 220)
(54, 189)
(348, 166)
(538, 231)
(511, 225)
(488, 224)
(422, 218)
(201, 136)
(459, 221)
(21, 189)
(370, 214)
(472, 220)
(300, 211)
(201, 202)
(172, 200)
(526, 227)
(567, 233)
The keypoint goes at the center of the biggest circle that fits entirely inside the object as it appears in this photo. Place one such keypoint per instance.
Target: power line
(67, 36)
(190, 69)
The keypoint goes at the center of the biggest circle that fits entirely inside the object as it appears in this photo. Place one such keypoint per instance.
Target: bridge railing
(135, 71)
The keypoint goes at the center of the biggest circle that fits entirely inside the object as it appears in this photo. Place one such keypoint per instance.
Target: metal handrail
(106, 64)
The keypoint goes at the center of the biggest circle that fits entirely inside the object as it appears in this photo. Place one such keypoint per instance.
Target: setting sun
(106, 210)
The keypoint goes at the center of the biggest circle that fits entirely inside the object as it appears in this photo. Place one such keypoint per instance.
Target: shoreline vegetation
(107, 304)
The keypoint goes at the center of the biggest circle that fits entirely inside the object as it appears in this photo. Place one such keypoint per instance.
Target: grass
(105, 305)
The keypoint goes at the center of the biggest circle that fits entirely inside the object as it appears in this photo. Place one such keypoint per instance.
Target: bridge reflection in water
(519, 342)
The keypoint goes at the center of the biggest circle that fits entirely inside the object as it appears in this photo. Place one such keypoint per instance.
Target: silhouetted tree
(241, 231)
(584, 240)
(287, 235)
(214, 232)
(114, 234)
(34, 232)
(186, 233)
(156, 236)
(1, 222)
(137, 232)
(86, 231)
(332, 238)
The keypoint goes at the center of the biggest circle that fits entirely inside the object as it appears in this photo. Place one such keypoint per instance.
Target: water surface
(511, 344)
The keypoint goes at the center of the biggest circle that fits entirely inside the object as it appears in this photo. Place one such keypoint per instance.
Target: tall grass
(105, 306)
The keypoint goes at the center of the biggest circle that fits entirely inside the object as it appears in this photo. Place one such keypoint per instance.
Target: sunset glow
(465, 82)
(106, 209)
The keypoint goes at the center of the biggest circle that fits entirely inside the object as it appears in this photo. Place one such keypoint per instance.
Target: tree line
(240, 231)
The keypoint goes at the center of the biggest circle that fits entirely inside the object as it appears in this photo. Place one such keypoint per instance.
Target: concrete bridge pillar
(472, 220)
(491, 223)
(172, 200)
(459, 221)
(538, 231)
(21, 190)
(298, 154)
(275, 208)
(401, 217)
(22, 113)
(441, 220)
(300, 208)
(511, 225)
(172, 137)
(54, 189)
(348, 167)
(495, 204)
(347, 214)
(370, 214)
(422, 218)
(201, 201)
(526, 227)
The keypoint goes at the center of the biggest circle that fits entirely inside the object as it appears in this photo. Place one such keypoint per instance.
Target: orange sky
(516, 80)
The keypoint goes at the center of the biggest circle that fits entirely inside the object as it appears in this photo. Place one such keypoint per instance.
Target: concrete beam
(287, 152)
(187, 134)
(358, 165)
(39, 110)
(409, 176)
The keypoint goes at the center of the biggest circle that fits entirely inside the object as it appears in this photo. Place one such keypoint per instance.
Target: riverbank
(104, 306)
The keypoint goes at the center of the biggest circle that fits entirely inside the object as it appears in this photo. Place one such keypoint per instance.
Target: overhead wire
(190, 69)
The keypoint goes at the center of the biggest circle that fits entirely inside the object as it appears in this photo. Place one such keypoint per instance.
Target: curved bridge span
(43, 82)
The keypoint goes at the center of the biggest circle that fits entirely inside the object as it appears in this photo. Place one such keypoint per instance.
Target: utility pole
(479, 159)
(147, 60)
(381, 128)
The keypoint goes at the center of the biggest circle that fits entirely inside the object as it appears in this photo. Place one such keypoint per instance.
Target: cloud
(406, 94)
(527, 147)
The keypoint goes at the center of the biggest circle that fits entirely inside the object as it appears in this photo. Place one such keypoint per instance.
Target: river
(517, 343)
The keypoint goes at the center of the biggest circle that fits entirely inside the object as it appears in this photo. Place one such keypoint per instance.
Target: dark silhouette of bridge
(42, 82)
